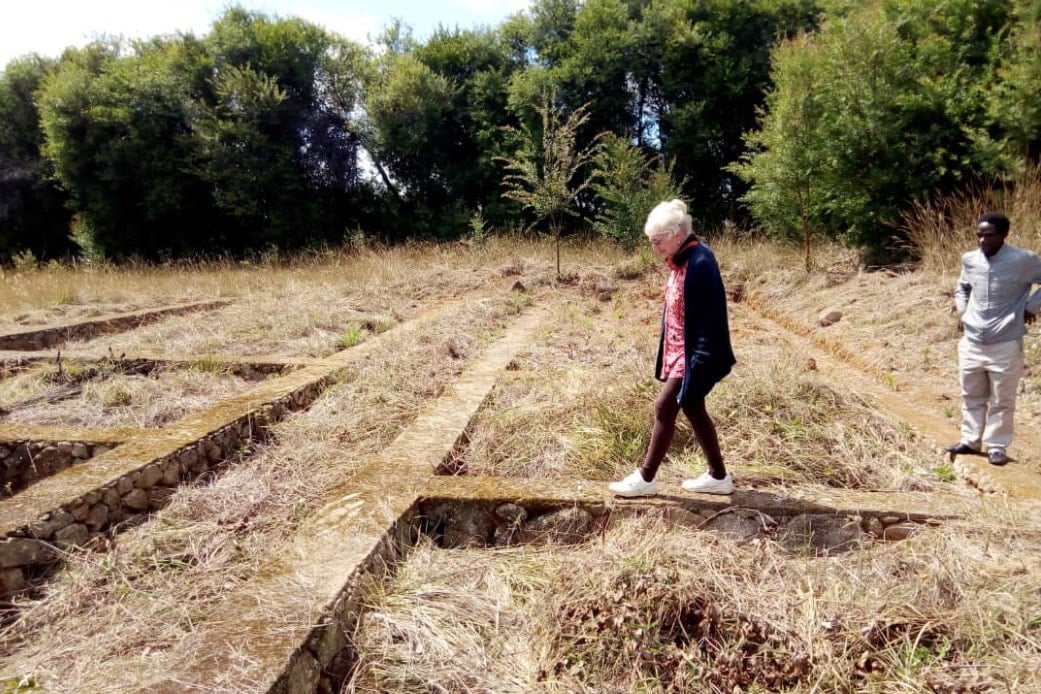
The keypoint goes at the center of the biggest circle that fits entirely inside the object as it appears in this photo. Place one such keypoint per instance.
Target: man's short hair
(998, 219)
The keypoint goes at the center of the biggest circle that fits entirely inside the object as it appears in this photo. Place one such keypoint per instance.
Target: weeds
(350, 337)
(209, 364)
(116, 395)
(517, 302)
(636, 267)
(18, 685)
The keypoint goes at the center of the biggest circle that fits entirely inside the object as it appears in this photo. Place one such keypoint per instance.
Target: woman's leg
(705, 432)
(665, 411)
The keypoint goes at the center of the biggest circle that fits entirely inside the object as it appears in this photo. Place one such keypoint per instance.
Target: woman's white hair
(667, 219)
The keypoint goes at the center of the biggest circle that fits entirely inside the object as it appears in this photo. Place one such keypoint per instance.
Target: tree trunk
(804, 218)
(556, 238)
(386, 179)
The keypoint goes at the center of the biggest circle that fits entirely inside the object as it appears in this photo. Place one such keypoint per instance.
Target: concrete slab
(364, 527)
(525, 492)
(195, 442)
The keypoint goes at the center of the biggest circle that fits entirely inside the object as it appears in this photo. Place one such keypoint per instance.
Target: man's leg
(975, 392)
(1005, 370)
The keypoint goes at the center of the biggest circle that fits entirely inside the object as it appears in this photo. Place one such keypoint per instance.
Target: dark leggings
(666, 409)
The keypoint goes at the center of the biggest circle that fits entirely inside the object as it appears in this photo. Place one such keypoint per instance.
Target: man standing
(995, 305)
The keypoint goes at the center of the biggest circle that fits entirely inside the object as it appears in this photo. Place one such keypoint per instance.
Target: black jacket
(707, 352)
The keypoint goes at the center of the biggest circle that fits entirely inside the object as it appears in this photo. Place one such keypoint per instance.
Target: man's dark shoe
(961, 449)
(997, 457)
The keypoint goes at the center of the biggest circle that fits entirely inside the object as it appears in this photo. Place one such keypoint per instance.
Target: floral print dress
(673, 357)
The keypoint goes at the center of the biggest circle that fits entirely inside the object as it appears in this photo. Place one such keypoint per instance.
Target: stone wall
(243, 368)
(476, 524)
(31, 550)
(45, 338)
(25, 462)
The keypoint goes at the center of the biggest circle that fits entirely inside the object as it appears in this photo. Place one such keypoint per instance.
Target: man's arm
(1034, 301)
(962, 289)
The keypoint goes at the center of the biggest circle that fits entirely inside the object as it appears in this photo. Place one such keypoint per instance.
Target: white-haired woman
(694, 351)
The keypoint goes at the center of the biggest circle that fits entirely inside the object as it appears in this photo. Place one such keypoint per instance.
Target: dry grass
(136, 605)
(536, 421)
(455, 621)
(941, 230)
(307, 308)
(115, 399)
(426, 271)
(901, 325)
(647, 607)
(580, 403)
(654, 611)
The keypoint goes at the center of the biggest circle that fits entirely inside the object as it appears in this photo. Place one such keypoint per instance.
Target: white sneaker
(634, 485)
(707, 484)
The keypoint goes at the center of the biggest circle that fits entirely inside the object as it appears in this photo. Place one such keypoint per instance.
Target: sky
(49, 26)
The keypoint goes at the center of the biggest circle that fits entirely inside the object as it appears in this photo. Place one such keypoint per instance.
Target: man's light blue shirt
(993, 293)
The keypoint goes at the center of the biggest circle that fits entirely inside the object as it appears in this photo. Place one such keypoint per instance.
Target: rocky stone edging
(461, 524)
(51, 336)
(31, 550)
(25, 462)
(325, 660)
(245, 369)
(815, 533)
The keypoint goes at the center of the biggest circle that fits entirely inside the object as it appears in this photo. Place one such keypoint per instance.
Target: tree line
(802, 118)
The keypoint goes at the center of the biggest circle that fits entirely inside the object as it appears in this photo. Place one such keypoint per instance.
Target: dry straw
(643, 607)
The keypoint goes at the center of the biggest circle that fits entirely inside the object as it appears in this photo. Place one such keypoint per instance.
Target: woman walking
(694, 351)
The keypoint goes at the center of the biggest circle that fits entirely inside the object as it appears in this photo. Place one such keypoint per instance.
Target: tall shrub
(629, 184)
(895, 106)
(548, 173)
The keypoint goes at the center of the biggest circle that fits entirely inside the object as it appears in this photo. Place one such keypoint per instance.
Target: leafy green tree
(277, 140)
(546, 176)
(710, 78)
(249, 170)
(435, 119)
(550, 26)
(473, 129)
(117, 134)
(1015, 101)
(343, 197)
(786, 162)
(597, 68)
(33, 216)
(241, 141)
(629, 183)
(407, 109)
(894, 99)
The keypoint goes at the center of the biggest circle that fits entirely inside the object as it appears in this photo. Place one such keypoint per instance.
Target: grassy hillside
(645, 604)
